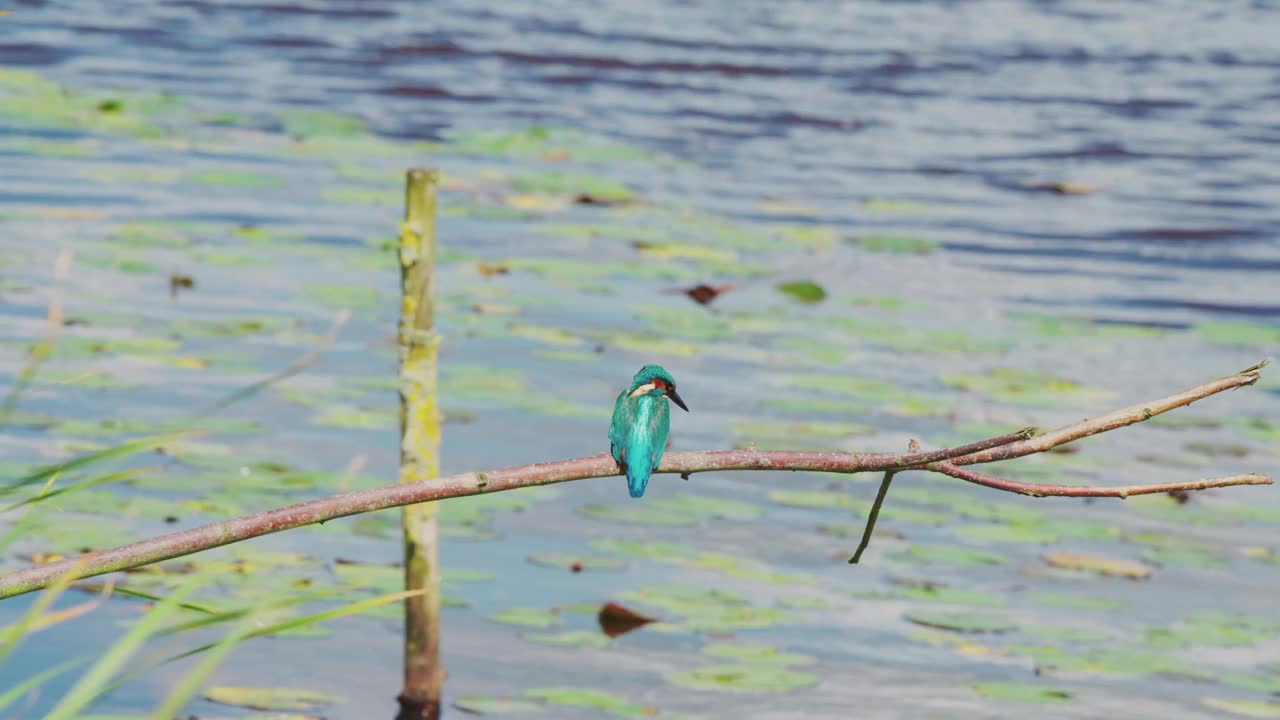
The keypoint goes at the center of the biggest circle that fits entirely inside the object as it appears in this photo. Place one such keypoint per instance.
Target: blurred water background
(937, 220)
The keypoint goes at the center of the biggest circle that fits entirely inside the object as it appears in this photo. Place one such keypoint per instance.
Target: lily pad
(746, 568)
(1073, 601)
(147, 233)
(809, 235)
(345, 296)
(814, 431)
(1021, 692)
(818, 499)
(577, 563)
(1012, 533)
(233, 179)
(261, 698)
(529, 617)
(1023, 387)
(571, 638)
(804, 291)
(560, 183)
(1245, 708)
(1240, 334)
(705, 506)
(1110, 567)
(896, 244)
(639, 515)
(544, 334)
(742, 678)
(951, 554)
(689, 323)
(657, 549)
(756, 654)
(312, 123)
(547, 142)
(495, 706)
(685, 598)
(954, 596)
(604, 702)
(962, 622)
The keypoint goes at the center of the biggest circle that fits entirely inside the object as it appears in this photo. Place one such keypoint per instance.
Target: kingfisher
(641, 423)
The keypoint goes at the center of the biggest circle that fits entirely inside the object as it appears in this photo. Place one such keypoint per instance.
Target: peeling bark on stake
(420, 447)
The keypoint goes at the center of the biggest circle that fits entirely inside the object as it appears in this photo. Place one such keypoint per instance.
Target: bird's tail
(637, 478)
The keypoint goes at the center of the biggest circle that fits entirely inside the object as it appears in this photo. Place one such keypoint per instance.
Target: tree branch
(945, 461)
(1116, 419)
(1123, 491)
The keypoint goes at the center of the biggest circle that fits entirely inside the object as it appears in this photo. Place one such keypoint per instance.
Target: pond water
(937, 221)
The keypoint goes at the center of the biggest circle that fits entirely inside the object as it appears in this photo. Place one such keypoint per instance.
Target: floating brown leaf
(703, 294)
(178, 281)
(1063, 188)
(616, 620)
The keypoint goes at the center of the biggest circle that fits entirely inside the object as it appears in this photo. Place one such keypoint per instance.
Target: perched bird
(641, 423)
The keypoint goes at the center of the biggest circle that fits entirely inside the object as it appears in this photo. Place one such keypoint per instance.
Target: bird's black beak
(675, 398)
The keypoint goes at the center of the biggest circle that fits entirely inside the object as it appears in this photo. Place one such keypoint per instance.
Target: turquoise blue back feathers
(641, 424)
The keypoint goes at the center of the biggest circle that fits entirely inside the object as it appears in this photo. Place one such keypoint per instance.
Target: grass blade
(123, 449)
(88, 483)
(14, 634)
(95, 681)
(35, 681)
(191, 682)
(348, 609)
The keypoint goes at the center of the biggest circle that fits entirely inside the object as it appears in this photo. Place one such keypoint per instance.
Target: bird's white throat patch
(642, 390)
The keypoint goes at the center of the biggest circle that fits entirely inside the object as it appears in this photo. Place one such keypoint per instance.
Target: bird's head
(656, 379)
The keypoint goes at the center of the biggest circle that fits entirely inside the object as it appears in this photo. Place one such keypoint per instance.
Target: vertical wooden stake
(420, 447)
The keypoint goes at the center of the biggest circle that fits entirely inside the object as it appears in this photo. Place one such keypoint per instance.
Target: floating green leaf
(804, 291)
(604, 702)
(964, 622)
(529, 617)
(951, 554)
(1021, 692)
(690, 323)
(260, 698)
(560, 183)
(1023, 387)
(1112, 567)
(706, 506)
(756, 654)
(233, 179)
(1015, 533)
(544, 334)
(896, 244)
(345, 296)
(818, 499)
(311, 123)
(1245, 708)
(1240, 334)
(571, 638)
(1072, 601)
(495, 706)
(639, 515)
(743, 678)
(954, 596)
(656, 549)
(570, 561)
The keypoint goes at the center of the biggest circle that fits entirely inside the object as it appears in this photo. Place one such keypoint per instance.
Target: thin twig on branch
(946, 461)
(1115, 419)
